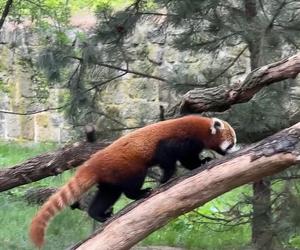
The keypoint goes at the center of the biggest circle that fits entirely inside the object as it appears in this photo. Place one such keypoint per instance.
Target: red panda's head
(223, 137)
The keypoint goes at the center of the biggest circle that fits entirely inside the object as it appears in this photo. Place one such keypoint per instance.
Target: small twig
(5, 12)
(33, 112)
(132, 72)
(229, 66)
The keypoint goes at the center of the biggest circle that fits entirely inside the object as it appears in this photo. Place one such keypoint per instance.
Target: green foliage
(16, 213)
(99, 4)
(8, 151)
(58, 11)
(51, 60)
(194, 230)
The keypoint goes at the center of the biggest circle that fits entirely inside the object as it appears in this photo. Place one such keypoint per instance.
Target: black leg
(132, 188)
(166, 155)
(138, 193)
(193, 161)
(168, 166)
(101, 207)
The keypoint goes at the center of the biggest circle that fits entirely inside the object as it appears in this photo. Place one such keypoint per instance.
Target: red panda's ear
(216, 125)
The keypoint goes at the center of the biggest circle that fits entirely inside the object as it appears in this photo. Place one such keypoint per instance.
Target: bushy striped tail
(68, 194)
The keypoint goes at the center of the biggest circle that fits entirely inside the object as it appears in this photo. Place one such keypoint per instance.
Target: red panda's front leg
(193, 161)
(133, 187)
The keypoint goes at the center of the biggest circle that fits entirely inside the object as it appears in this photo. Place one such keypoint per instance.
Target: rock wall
(17, 95)
(134, 100)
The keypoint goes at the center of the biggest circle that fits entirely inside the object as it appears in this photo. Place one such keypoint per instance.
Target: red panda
(121, 167)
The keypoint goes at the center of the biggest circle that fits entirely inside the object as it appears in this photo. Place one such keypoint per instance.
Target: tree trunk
(261, 224)
(184, 194)
(262, 231)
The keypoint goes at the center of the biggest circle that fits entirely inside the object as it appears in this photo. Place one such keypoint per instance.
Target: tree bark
(49, 164)
(262, 230)
(222, 97)
(185, 193)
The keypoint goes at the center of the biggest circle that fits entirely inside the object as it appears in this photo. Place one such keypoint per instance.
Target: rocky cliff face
(17, 82)
(132, 99)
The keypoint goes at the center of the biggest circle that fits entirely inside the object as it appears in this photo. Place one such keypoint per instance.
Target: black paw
(206, 160)
(109, 211)
(104, 216)
(75, 205)
(146, 192)
(163, 180)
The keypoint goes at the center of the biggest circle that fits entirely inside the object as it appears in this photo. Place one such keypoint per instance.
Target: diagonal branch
(272, 155)
(221, 98)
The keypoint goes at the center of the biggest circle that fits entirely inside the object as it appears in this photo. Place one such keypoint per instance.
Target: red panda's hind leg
(101, 207)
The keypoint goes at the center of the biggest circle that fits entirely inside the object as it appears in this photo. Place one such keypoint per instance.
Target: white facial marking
(233, 149)
(233, 134)
(213, 127)
(213, 130)
(224, 145)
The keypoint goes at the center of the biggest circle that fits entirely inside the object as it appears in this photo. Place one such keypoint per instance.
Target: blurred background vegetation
(222, 41)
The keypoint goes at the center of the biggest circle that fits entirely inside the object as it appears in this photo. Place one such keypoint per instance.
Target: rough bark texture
(48, 164)
(220, 98)
(183, 194)
(262, 231)
(38, 195)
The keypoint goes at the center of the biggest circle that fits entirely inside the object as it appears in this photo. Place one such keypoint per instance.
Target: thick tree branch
(49, 164)
(183, 194)
(221, 98)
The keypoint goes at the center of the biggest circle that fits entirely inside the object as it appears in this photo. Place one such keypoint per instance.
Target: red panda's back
(129, 155)
(142, 142)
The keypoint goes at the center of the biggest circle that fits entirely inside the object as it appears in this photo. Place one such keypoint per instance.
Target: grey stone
(133, 99)
(28, 128)
(156, 54)
(141, 110)
(143, 89)
(157, 36)
(57, 120)
(2, 130)
(13, 126)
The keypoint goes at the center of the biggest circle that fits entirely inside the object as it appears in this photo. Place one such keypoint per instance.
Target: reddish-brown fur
(123, 159)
